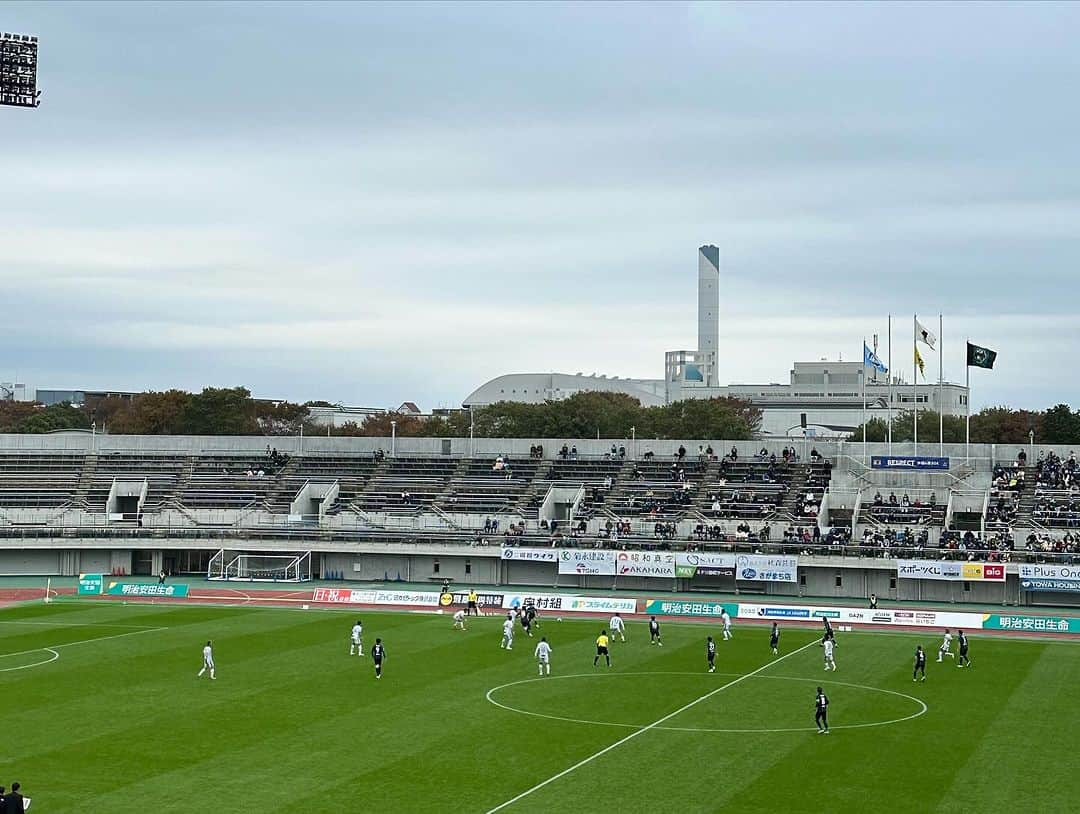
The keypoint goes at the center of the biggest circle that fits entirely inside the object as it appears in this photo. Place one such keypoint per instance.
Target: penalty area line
(645, 729)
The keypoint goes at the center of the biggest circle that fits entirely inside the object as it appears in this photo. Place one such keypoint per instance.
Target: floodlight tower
(18, 70)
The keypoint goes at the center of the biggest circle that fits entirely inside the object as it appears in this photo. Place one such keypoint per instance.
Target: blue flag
(870, 359)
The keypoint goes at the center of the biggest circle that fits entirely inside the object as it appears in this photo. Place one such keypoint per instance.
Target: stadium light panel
(18, 70)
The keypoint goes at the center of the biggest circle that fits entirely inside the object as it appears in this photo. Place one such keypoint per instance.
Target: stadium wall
(835, 578)
(483, 447)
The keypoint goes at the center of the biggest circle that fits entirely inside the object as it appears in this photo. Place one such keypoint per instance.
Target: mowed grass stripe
(1019, 763)
(125, 726)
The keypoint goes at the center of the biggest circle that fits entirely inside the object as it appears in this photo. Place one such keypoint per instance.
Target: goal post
(253, 567)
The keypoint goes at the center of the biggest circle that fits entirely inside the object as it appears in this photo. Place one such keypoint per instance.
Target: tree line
(232, 411)
(991, 425)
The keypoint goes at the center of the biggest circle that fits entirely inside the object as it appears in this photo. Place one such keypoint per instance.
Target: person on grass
(208, 661)
(543, 656)
(963, 661)
(920, 664)
(821, 712)
(602, 649)
(356, 640)
(946, 648)
(378, 654)
(710, 653)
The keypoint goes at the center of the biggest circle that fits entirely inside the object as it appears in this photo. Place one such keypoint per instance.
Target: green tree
(1060, 425)
(147, 414)
(220, 411)
(279, 418)
(1002, 425)
(55, 417)
(903, 428)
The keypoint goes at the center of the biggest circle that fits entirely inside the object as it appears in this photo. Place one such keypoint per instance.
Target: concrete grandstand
(72, 502)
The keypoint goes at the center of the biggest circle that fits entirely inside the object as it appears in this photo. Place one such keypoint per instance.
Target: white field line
(76, 624)
(83, 641)
(645, 729)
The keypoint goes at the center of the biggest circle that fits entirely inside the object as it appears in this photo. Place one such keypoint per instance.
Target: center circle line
(922, 704)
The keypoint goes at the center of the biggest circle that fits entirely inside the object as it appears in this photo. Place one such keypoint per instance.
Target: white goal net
(260, 567)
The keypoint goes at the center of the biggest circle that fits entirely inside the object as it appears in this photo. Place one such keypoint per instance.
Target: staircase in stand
(86, 479)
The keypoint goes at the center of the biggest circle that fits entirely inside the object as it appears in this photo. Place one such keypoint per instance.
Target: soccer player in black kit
(654, 631)
(920, 664)
(710, 654)
(378, 653)
(821, 712)
(963, 661)
(774, 638)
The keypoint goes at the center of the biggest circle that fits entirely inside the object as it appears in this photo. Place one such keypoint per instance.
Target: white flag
(925, 335)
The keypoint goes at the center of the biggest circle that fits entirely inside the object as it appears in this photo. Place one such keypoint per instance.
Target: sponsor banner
(91, 584)
(571, 602)
(1036, 571)
(530, 554)
(140, 589)
(587, 561)
(645, 564)
(673, 607)
(345, 596)
(1034, 624)
(860, 616)
(907, 462)
(949, 570)
(462, 598)
(691, 571)
(700, 564)
(1062, 578)
(762, 568)
(1057, 585)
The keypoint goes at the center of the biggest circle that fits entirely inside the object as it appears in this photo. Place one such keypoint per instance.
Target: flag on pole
(980, 357)
(870, 359)
(919, 363)
(924, 336)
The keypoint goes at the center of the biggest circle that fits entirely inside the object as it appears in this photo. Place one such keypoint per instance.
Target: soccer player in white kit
(617, 627)
(459, 620)
(356, 641)
(508, 632)
(543, 656)
(946, 648)
(829, 645)
(726, 619)
(208, 661)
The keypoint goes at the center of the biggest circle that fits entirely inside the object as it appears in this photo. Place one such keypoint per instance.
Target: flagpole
(889, 375)
(967, 421)
(862, 377)
(941, 385)
(915, 378)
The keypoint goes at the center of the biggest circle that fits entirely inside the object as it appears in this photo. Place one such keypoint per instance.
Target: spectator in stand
(681, 452)
(734, 454)
(573, 452)
(710, 453)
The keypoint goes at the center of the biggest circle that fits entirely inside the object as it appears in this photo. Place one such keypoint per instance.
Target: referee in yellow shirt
(602, 649)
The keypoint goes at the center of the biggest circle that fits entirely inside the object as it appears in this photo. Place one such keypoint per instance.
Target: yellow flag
(919, 363)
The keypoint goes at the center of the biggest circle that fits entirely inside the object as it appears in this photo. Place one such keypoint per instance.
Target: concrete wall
(515, 447)
(30, 563)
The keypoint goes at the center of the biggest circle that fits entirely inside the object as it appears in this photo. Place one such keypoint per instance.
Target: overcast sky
(369, 204)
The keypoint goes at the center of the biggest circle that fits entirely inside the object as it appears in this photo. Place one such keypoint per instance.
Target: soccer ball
(558, 618)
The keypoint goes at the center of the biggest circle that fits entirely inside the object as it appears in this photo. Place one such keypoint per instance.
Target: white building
(826, 395)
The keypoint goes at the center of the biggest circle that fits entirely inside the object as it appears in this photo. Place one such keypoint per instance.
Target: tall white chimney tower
(709, 310)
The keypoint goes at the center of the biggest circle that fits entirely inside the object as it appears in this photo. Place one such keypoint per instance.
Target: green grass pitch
(114, 719)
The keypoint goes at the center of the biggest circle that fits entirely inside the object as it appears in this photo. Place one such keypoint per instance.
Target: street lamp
(393, 439)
